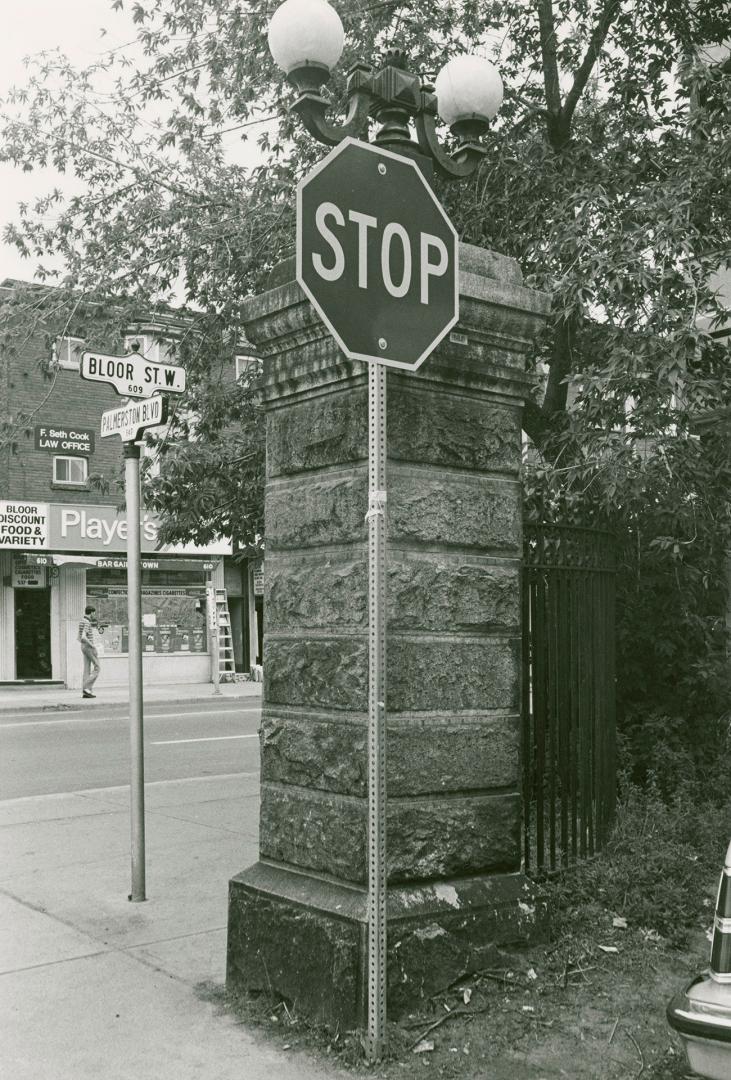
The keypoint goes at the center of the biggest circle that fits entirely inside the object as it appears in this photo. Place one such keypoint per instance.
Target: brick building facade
(63, 537)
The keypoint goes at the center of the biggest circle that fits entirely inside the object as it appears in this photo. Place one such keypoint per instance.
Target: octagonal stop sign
(377, 255)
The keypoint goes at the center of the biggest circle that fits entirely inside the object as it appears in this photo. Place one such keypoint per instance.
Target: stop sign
(377, 255)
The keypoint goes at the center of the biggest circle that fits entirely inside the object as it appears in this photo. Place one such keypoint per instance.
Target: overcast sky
(30, 26)
(74, 26)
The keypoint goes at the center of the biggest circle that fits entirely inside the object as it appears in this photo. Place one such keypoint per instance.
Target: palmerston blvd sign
(377, 255)
(129, 420)
(132, 375)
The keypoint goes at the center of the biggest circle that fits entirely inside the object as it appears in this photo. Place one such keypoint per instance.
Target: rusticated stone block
(448, 593)
(452, 594)
(427, 838)
(321, 754)
(326, 672)
(307, 595)
(326, 833)
(457, 432)
(425, 757)
(432, 757)
(444, 838)
(315, 434)
(447, 674)
(458, 510)
(326, 511)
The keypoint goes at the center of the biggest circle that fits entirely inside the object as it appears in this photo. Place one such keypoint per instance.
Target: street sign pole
(134, 376)
(134, 619)
(376, 1038)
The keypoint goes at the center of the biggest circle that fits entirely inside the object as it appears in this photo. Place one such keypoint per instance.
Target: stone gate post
(297, 917)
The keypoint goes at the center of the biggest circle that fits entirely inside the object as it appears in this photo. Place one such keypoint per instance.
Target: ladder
(226, 664)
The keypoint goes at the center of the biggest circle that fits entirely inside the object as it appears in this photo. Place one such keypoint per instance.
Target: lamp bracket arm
(456, 166)
(312, 108)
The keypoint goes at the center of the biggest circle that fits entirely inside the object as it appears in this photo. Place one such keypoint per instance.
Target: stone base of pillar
(305, 937)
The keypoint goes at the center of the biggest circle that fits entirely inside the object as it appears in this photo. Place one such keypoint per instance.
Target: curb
(62, 706)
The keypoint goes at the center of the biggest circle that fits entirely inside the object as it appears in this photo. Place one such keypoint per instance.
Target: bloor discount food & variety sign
(23, 524)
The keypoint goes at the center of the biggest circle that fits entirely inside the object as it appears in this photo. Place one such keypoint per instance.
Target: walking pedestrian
(92, 667)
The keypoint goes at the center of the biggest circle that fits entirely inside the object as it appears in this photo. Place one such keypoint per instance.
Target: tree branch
(596, 44)
(538, 419)
(557, 390)
(534, 423)
(550, 57)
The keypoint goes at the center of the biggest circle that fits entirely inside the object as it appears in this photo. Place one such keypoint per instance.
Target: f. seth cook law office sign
(65, 527)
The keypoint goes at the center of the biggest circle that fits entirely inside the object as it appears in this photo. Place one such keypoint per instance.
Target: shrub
(661, 862)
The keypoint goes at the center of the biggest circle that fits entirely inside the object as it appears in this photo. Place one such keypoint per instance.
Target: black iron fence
(568, 742)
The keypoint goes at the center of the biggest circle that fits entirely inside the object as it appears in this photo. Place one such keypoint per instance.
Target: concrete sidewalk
(93, 986)
(27, 698)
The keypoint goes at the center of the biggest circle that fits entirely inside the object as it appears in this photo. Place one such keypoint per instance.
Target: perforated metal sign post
(377, 501)
(377, 257)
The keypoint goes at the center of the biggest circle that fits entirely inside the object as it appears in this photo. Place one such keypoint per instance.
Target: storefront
(57, 558)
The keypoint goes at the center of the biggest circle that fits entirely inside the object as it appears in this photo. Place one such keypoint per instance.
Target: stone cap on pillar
(485, 351)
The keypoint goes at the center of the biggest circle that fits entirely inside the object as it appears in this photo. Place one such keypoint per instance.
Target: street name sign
(132, 375)
(377, 255)
(129, 420)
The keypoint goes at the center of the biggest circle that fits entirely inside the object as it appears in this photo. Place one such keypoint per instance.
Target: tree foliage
(607, 178)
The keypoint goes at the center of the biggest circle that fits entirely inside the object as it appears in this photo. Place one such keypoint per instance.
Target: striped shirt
(86, 630)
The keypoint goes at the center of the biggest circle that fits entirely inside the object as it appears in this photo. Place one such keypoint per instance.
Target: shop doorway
(32, 633)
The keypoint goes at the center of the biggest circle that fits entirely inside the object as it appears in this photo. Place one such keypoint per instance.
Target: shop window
(173, 611)
(68, 352)
(72, 471)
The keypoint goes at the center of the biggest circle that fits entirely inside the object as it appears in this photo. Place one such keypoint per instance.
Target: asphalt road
(43, 753)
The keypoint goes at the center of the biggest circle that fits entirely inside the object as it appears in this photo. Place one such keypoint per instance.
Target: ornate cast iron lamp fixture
(306, 40)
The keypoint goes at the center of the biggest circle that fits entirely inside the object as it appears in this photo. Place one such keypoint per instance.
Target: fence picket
(568, 737)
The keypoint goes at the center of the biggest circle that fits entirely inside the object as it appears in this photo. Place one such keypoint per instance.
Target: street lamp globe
(469, 90)
(306, 34)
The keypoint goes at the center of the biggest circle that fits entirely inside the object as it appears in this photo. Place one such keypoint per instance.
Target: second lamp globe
(468, 87)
